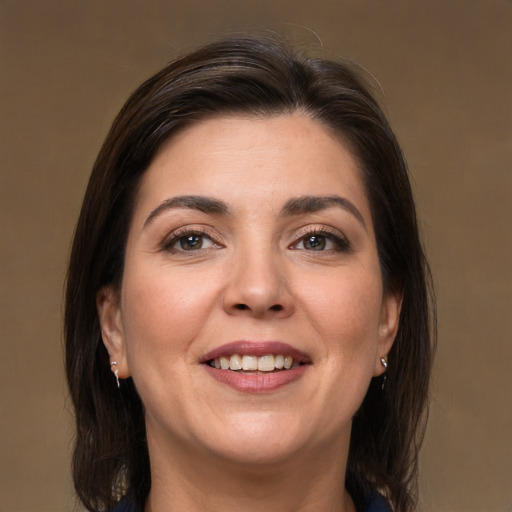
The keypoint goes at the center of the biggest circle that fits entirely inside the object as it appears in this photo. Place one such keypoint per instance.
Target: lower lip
(263, 382)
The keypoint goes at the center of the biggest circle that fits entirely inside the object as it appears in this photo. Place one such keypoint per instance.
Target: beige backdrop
(446, 70)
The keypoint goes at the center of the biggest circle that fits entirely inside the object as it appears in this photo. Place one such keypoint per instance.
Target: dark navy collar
(366, 498)
(376, 504)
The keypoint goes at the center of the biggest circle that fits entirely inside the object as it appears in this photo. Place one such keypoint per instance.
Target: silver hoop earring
(116, 373)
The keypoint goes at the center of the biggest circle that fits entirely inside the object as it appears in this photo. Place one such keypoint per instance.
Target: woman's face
(251, 244)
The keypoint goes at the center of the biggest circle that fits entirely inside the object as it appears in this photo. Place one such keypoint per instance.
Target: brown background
(446, 70)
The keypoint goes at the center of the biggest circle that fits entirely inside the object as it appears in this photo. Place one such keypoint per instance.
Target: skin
(255, 278)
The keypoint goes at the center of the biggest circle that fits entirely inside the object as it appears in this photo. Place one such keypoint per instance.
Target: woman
(247, 310)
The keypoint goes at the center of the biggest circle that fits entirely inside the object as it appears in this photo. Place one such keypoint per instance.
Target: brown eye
(322, 241)
(314, 242)
(190, 242)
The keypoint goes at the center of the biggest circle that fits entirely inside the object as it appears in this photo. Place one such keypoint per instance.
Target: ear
(388, 327)
(112, 332)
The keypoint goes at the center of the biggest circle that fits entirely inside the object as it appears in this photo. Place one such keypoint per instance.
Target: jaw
(258, 469)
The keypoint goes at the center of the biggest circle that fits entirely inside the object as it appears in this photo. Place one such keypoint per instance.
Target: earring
(384, 362)
(116, 373)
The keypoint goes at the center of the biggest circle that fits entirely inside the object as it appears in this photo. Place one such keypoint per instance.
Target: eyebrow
(312, 204)
(201, 203)
(295, 206)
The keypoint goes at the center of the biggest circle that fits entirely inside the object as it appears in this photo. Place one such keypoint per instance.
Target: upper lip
(256, 348)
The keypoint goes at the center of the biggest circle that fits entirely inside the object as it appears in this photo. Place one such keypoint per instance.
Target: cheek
(162, 314)
(345, 310)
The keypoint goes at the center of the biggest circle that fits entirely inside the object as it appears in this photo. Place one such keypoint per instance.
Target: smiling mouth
(255, 364)
(256, 367)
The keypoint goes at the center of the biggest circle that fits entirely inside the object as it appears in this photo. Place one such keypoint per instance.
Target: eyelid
(338, 237)
(175, 235)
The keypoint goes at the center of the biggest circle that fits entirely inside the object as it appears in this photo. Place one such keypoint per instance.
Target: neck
(312, 480)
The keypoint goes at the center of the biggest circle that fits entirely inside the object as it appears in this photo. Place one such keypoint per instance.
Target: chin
(258, 440)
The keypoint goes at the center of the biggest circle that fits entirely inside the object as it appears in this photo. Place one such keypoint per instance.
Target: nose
(258, 287)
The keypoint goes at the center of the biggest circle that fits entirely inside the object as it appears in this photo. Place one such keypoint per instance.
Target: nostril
(244, 307)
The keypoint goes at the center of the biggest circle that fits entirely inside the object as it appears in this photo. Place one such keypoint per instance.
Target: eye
(191, 242)
(188, 241)
(315, 242)
(322, 241)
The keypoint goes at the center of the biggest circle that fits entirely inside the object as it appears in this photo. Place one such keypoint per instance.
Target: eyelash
(342, 244)
(182, 234)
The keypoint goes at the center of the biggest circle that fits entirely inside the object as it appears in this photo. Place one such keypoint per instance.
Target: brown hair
(260, 77)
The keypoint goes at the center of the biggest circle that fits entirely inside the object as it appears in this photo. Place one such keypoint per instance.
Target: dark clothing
(376, 503)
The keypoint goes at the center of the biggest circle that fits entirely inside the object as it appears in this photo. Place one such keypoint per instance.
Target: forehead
(252, 161)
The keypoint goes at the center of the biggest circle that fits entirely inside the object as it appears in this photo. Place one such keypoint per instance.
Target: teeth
(235, 362)
(249, 363)
(265, 363)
